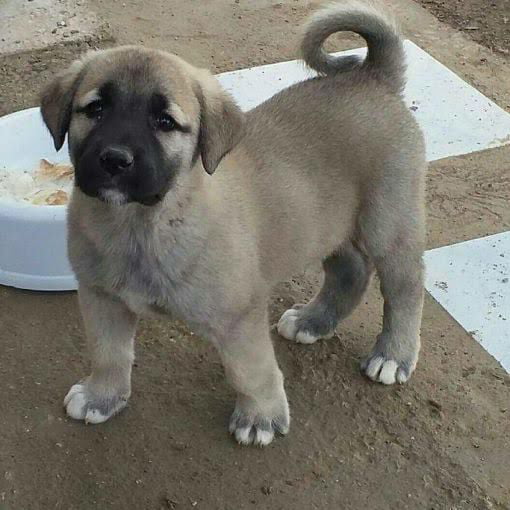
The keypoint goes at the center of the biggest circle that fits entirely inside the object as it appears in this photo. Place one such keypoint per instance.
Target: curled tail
(385, 60)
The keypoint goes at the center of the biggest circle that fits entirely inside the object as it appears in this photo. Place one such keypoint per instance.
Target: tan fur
(329, 170)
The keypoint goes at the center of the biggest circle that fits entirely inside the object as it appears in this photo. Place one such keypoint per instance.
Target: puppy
(329, 170)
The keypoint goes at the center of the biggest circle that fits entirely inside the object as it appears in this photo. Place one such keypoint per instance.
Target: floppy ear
(221, 122)
(57, 101)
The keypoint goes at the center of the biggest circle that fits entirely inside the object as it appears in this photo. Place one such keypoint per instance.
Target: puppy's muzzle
(116, 160)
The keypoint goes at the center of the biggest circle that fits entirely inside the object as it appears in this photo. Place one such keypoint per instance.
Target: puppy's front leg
(250, 366)
(110, 329)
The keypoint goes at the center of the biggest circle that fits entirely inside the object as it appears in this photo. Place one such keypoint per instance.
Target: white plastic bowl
(33, 238)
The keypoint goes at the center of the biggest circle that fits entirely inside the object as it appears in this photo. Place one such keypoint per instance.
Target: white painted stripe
(455, 117)
(471, 280)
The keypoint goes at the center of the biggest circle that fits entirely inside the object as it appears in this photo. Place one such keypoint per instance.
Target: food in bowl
(49, 184)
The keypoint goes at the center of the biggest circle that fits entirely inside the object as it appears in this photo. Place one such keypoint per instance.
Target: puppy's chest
(140, 278)
(152, 273)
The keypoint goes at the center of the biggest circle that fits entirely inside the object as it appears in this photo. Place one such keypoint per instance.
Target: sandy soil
(440, 442)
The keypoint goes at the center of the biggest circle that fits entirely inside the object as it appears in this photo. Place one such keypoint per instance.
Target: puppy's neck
(184, 198)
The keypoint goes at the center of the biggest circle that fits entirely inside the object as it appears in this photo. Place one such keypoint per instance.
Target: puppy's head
(136, 119)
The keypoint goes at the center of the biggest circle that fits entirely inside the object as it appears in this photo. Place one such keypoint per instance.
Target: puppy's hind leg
(250, 365)
(110, 329)
(346, 275)
(395, 242)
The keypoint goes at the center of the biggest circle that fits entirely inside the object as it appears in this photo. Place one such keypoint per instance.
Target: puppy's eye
(94, 110)
(165, 122)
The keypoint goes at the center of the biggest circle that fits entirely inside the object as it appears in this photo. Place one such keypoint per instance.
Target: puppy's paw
(386, 369)
(304, 326)
(82, 404)
(251, 427)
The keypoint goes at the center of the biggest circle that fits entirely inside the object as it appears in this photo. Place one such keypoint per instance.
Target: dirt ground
(440, 442)
(487, 22)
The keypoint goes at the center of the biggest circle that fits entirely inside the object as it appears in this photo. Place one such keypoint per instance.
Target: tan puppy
(330, 170)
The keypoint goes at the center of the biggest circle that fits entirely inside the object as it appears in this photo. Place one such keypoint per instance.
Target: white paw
(75, 402)
(252, 435)
(81, 404)
(385, 371)
(289, 329)
(251, 427)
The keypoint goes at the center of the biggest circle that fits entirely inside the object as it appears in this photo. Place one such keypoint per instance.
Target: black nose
(116, 160)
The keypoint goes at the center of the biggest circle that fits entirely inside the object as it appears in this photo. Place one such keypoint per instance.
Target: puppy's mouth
(118, 198)
(113, 197)
(119, 190)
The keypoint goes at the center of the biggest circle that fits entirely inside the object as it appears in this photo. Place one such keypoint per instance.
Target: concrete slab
(455, 117)
(471, 280)
(35, 24)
